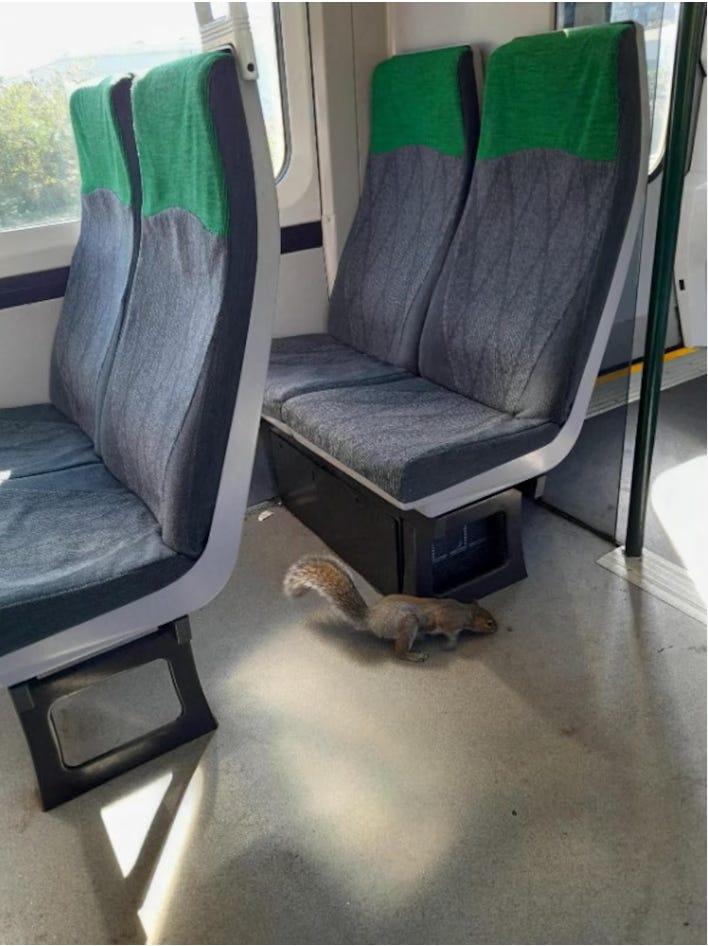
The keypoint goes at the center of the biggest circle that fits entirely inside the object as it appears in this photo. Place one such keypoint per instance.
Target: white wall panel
(26, 338)
(424, 25)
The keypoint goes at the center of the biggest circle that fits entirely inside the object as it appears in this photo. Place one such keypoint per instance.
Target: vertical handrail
(688, 44)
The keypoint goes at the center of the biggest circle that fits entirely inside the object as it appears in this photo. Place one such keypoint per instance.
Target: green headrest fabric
(556, 90)
(102, 159)
(415, 100)
(180, 164)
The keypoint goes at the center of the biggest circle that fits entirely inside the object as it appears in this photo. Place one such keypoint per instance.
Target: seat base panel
(59, 782)
(463, 554)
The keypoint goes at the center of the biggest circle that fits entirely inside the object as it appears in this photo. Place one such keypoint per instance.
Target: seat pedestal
(464, 554)
(59, 782)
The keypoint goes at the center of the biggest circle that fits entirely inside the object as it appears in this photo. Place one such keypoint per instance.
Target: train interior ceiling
(419, 288)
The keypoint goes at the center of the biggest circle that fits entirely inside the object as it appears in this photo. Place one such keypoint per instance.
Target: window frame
(297, 185)
(279, 51)
(657, 167)
(38, 247)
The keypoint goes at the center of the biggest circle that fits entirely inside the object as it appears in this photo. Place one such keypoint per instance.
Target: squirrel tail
(332, 580)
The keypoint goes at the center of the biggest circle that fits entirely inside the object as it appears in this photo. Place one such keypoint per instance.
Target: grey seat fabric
(75, 544)
(39, 438)
(304, 363)
(425, 127)
(173, 381)
(411, 437)
(102, 263)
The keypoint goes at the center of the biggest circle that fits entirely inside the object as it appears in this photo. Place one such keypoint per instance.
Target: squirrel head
(481, 620)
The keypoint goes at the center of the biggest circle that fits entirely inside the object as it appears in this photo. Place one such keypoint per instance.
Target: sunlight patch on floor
(156, 904)
(376, 831)
(380, 825)
(678, 497)
(127, 820)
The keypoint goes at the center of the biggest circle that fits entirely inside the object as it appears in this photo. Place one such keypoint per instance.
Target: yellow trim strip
(678, 353)
(633, 369)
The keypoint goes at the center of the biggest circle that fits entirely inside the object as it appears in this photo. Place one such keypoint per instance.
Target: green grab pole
(688, 43)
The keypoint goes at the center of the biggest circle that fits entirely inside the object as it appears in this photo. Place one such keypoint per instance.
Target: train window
(78, 42)
(40, 67)
(660, 22)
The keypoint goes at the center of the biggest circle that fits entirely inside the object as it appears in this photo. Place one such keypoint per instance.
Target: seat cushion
(74, 544)
(412, 438)
(304, 363)
(40, 439)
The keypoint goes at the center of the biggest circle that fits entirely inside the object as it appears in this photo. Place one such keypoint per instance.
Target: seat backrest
(424, 132)
(105, 253)
(174, 378)
(520, 297)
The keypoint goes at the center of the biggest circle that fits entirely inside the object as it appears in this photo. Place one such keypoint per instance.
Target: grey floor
(543, 785)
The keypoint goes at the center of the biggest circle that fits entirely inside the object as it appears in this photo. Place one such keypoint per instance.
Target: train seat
(168, 406)
(41, 438)
(425, 126)
(519, 318)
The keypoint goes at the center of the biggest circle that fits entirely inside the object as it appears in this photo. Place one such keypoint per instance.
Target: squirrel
(400, 618)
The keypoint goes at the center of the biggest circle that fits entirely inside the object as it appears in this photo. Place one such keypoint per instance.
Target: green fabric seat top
(102, 152)
(416, 101)
(555, 91)
(179, 156)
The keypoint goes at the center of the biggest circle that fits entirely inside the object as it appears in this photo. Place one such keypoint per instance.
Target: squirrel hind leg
(407, 632)
(451, 641)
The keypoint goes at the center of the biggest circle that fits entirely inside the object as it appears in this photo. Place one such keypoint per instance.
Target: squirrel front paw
(415, 656)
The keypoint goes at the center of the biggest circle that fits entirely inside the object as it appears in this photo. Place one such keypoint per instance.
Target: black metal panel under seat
(467, 553)
(464, 554)
(59, 782)
(360, 528)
